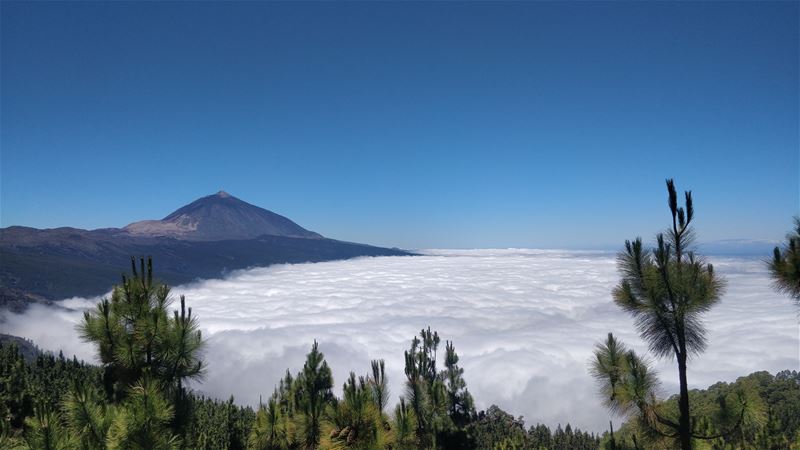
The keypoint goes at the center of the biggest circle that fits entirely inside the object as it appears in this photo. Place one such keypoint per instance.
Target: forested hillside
(39, 411)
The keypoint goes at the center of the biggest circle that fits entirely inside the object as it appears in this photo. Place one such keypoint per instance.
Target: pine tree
(461, 406)
(378, 385)
(666, 291)
(354, 421)
(440, 401)
(404, 427)
(785, 265)
(272, 430)
(314, 384)
(135, 336)
(144, 419)
(422, 391)
(46, 431)
(88, 417)
(628, 386)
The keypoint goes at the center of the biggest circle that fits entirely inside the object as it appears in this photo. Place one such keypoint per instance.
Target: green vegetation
(775, 427)
(439, 400)
(58, 403)
(785, 264)
(666, 290)
(26, 388)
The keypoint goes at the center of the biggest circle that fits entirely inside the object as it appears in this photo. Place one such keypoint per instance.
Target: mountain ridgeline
(204, 239)
(220, 217)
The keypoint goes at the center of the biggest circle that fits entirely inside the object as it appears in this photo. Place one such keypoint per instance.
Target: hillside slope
(204, 239)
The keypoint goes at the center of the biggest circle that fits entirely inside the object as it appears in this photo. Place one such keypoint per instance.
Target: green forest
(137, 397)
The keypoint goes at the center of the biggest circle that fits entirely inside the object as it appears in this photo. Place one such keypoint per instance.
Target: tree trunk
(613, 442)
(684, 423)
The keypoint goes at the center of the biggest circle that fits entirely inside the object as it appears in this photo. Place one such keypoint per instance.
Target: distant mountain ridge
(220, 217)
(739, 247)
(204, 239)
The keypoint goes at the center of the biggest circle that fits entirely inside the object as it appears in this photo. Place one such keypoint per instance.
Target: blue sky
(409, 124)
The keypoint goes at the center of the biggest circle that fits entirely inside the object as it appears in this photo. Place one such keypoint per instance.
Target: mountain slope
(205, 239)
(89, 266)
(220, 217)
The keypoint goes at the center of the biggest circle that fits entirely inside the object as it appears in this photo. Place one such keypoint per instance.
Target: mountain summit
(220, 217)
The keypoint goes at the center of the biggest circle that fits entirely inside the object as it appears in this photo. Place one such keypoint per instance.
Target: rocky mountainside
(220, 217)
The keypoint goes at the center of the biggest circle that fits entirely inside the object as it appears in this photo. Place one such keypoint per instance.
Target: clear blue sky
(408, 124)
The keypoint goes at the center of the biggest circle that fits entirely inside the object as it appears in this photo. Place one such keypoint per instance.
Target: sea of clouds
(524, 323)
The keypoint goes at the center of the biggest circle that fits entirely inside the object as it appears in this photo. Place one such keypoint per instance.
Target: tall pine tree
(785, 264)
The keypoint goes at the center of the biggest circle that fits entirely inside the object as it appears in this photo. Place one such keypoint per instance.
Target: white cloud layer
(524, 323)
